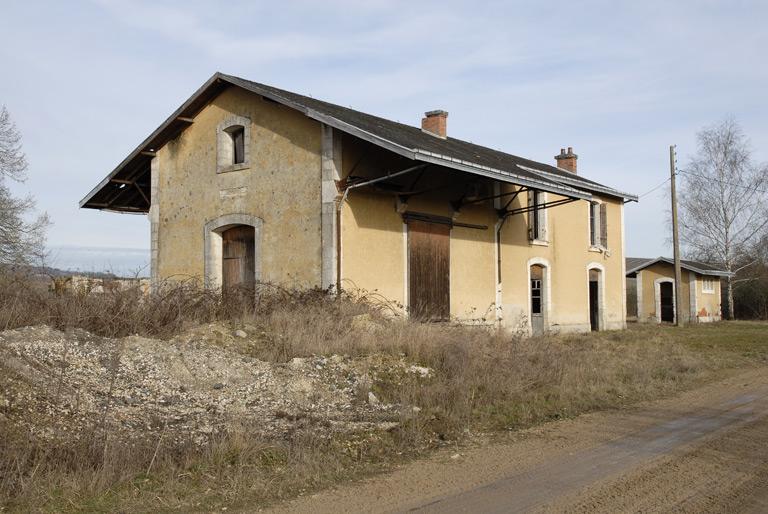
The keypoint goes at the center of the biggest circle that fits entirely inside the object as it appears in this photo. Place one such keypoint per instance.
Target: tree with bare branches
(22, 235)
(723, 201)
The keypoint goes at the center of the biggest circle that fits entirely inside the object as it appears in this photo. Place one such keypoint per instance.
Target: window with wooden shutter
(537, 217)
(594, 223)
(603, 226)
(531, 215)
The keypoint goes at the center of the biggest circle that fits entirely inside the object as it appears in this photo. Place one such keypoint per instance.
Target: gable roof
(406, 140)
(635, 264)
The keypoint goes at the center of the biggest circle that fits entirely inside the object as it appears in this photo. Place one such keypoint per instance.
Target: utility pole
(675, 239)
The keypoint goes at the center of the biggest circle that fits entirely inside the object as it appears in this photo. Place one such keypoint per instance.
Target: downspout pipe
(499, 224)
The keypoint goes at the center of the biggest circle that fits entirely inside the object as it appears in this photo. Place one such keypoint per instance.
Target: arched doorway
(538, 303)
(232, 251)
(667, 302)
(594, 299)
(238, 257)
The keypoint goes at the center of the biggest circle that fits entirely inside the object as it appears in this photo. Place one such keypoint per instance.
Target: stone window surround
(224, 145)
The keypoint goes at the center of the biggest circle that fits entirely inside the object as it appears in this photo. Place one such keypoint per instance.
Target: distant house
(651, 291)
(246, 182)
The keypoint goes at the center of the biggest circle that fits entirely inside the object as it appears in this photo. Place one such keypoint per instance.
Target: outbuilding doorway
(667, 301)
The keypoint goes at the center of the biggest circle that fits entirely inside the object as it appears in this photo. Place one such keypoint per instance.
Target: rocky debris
(69, 385)
(420, 371)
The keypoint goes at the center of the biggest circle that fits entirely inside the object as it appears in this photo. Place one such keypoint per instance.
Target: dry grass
(482, 380)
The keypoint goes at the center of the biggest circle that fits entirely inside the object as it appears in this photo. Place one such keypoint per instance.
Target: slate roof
(403, 139)
(634, 264)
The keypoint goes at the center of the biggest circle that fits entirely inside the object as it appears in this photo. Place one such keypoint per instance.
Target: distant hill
(99, 262)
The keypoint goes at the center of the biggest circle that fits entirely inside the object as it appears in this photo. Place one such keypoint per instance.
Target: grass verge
(481, 381)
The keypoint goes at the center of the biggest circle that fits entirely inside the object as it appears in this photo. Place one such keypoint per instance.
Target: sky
(87, 81)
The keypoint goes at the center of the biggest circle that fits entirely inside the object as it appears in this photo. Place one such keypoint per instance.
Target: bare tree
(21, 238)
(723, 200)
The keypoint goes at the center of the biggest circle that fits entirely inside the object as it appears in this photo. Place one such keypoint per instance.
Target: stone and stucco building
(246, 182)
(651, 291)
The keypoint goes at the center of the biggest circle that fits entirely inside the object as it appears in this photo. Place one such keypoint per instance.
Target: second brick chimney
(567, 161)
(436, 123)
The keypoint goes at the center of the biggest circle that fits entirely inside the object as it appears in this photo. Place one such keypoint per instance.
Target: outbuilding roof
(130, 180)
(635, 264)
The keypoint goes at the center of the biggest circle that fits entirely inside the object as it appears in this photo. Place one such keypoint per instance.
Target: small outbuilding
(651, 290)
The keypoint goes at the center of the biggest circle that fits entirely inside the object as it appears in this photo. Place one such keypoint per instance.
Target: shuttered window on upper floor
(598, 225)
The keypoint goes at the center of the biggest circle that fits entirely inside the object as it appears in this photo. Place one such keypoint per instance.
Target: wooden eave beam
(144, 196)
(545, 205)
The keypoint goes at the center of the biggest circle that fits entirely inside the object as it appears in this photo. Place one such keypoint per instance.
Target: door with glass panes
(538, 305)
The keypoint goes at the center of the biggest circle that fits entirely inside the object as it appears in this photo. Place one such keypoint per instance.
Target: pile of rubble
(62, 385)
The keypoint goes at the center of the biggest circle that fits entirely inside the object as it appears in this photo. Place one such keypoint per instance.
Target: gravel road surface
(703, 451)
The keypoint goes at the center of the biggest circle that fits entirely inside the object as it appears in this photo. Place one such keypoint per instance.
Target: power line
(654, 189)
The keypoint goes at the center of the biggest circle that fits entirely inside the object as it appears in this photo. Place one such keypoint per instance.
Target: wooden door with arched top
(238, 257)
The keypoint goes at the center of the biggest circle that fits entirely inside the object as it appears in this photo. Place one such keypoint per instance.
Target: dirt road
(704, 451)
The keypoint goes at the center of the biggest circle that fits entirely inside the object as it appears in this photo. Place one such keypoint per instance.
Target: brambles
(301, 361)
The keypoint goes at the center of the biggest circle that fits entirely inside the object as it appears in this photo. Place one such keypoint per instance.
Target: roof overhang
(687, 266)
(135, 168)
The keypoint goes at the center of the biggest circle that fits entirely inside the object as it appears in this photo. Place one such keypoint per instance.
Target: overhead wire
(654, 189)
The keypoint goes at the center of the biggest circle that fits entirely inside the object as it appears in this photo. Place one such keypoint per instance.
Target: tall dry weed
(479, 379)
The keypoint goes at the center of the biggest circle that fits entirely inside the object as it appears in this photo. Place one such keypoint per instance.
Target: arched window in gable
(233, 144)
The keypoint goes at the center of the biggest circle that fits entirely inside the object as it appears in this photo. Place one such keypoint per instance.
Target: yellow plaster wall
(374, 245)
(567, 256)
(281, 186)
(473, 266)
(373, 256)
(374, 252)
(708, 305)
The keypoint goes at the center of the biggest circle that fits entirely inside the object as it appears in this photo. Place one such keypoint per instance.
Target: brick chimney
(436, 123)
(567, 161)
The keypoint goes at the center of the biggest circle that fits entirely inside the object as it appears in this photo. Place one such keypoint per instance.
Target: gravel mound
(70, 385)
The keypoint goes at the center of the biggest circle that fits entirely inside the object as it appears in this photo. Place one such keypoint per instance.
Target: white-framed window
(707, 285)
(537, 216)
(598, 225)
(233, 137)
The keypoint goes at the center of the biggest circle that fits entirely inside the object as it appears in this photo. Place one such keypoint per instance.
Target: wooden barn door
(238, 257)
(429, 270)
